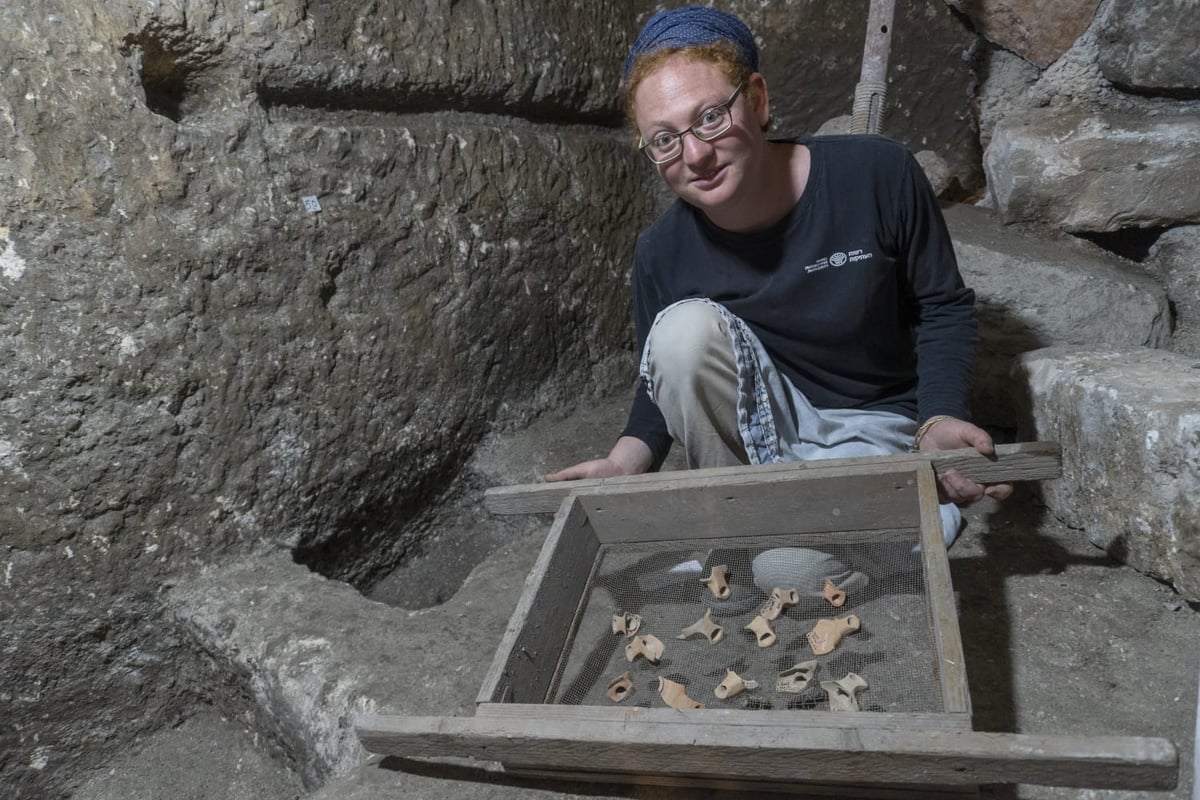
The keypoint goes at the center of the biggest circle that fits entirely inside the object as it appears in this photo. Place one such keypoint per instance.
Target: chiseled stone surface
(1038, 288)
(1037, 31)
(249, 375)
(543, 59)
(1096, 172)
(197, 365)
(1129, 425)
(1151, 45)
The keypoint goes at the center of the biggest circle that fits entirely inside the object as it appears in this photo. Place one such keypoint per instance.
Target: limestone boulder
(1175, 260)
(1128, 421)
(1094, 173)
(1038, 32)
(1038, 288)
(303, 377)
(1151, 47)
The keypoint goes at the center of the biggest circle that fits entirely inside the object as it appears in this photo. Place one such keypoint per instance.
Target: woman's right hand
(629, 456)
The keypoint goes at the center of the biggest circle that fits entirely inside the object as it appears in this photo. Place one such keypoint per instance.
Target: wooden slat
(939, 590)
(493, 772)
(1025, 461)
(524, 665)
(793, 720)
(791, 503)
(793, 789)
(816, 539)
(819, 755)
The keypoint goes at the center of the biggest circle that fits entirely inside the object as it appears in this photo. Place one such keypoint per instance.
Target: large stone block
(1129, 424)
(537, 58)
(75, 132)
(1085, 172)
(1038, 32)
(1151, 45)
(1037, 287)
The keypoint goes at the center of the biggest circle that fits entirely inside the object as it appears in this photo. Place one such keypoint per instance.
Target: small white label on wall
(311, 204)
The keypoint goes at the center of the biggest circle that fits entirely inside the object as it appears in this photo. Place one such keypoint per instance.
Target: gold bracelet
(925, 426)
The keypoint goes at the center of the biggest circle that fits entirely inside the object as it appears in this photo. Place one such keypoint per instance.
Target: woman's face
(708, 175)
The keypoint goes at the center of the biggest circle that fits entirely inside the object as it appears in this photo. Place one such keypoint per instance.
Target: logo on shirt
(838, 259)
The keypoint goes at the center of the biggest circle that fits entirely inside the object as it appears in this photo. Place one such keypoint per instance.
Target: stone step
(1128, 421)
(1070, 351)
(1037, 287)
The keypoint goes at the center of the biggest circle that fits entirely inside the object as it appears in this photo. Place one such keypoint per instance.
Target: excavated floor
(1058, 639)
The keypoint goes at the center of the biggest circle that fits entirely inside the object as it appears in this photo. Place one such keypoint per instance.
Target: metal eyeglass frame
(726, 108)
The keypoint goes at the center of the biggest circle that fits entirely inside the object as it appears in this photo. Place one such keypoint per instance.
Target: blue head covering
(692, 25)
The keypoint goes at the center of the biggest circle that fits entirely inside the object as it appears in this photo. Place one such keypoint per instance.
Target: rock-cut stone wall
(1097, 133)
(1105, 136)
(196, 363)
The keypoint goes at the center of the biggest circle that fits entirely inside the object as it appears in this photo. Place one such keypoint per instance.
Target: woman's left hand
(953, 434)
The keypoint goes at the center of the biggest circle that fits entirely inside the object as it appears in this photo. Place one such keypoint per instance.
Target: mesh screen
(662, 582)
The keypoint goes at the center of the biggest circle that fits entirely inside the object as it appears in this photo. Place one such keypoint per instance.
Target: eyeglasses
(665, 147)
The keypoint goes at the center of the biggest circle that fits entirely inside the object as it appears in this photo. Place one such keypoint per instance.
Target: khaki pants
(726, 404)
(691, 368)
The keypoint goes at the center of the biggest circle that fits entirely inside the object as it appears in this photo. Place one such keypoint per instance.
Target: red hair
(722, 54)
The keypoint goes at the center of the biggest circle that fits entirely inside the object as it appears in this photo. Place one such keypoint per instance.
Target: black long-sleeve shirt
(855, 293)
